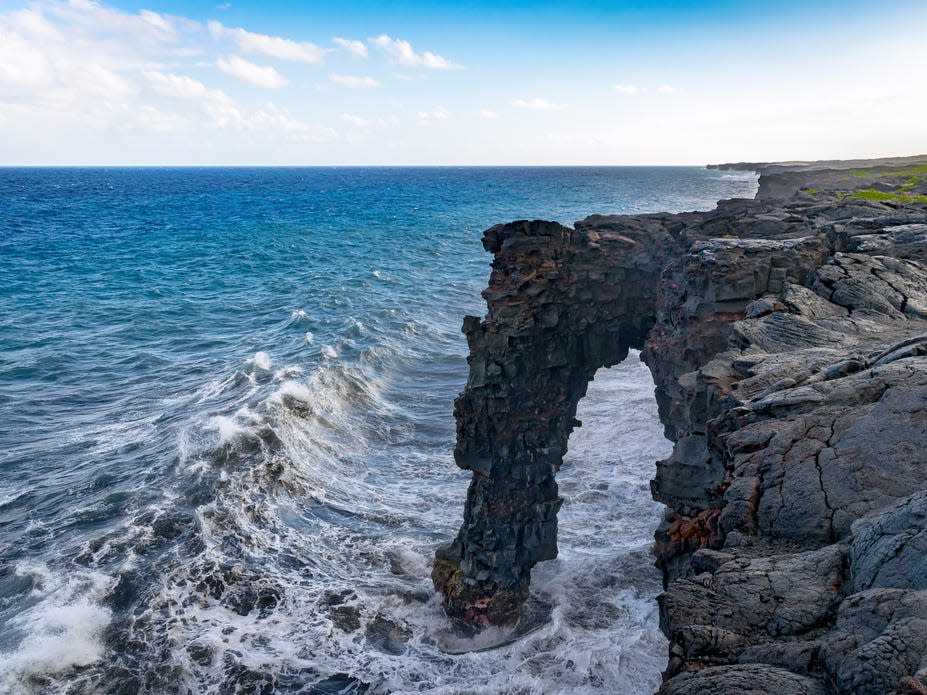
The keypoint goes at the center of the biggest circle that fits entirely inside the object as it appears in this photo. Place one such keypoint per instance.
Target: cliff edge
(787, 337)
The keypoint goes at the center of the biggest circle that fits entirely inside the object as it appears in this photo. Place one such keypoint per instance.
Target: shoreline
(787, 336)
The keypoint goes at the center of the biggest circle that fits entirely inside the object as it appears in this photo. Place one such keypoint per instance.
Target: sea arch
(562, 303)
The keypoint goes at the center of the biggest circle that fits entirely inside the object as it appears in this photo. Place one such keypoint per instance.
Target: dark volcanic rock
(715, 616)
(387, 636)
(880, 638)
(890, 547)
(562, 303)
(787, 338)
(751, 679)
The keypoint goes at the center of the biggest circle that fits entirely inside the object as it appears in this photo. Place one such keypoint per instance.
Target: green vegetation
(910, 190)
(810, 191)
(888, 196)
(872, 194)
(911, 183)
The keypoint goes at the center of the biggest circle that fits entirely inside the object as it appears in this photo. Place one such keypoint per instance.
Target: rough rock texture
(890, 547)
(752, 679)
(787, 337)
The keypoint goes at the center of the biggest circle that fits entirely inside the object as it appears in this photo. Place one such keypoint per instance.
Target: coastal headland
(787, 339)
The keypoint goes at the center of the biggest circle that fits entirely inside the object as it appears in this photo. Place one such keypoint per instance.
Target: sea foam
(61, 630)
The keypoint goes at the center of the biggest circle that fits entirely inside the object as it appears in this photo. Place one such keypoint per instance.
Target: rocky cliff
(787, 337)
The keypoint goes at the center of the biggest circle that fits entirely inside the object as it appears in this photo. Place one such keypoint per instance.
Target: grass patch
(888, 196)
(911, 183)
(872, 194)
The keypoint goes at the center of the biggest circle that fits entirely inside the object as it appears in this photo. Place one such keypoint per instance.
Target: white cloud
(401, 52)
(260, 75)
(353, 47)
(80, 64)
(33, 22)
(158, 21)
(354, 81)
(439, 113)
(82, 81)
(178, 86)
(271, 118)
(96, 81)
(538, 104)
(92, 18)
(224, 113)
(21, 63)
(367, 123)
(220, 108)
(159, 121)
(275, 46)
(355, 120)
(36, 56)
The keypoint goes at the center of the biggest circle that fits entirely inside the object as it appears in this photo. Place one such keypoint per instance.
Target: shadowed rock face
(787, 337)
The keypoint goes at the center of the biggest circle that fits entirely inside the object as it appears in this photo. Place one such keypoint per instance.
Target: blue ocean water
(226, 432)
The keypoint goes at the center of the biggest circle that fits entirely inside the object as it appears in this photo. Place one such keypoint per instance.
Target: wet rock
(387, 636)
(339, 684)
(238, 588)
(200, 653)
(345, 614)
(241, 680)
(260, 598)
(912, 686)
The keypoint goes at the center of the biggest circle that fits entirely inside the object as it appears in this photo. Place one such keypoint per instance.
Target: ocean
(226, 434)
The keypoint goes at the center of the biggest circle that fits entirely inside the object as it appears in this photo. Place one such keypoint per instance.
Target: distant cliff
(787, 337)
(834, 164)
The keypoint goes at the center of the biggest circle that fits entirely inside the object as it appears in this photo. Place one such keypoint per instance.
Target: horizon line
(348, 166)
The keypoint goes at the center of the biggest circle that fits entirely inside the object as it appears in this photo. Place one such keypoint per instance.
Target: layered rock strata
(787, 338)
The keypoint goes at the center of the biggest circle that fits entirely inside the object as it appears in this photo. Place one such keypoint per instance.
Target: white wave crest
(61, 631)
(261, 360)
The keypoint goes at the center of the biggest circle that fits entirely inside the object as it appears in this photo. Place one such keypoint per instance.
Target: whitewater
(226, 434)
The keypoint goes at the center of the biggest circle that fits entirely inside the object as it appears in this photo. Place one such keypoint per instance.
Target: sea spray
(240, 479)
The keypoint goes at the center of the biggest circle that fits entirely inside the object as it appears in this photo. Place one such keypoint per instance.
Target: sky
(410, 82)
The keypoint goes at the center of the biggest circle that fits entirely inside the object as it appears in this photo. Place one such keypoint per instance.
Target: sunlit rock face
(787, 337)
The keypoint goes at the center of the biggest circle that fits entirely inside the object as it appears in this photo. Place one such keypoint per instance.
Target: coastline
(787, 337)
(298, 411)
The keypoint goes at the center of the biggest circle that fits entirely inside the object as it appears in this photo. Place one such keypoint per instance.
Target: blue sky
(315, 83)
